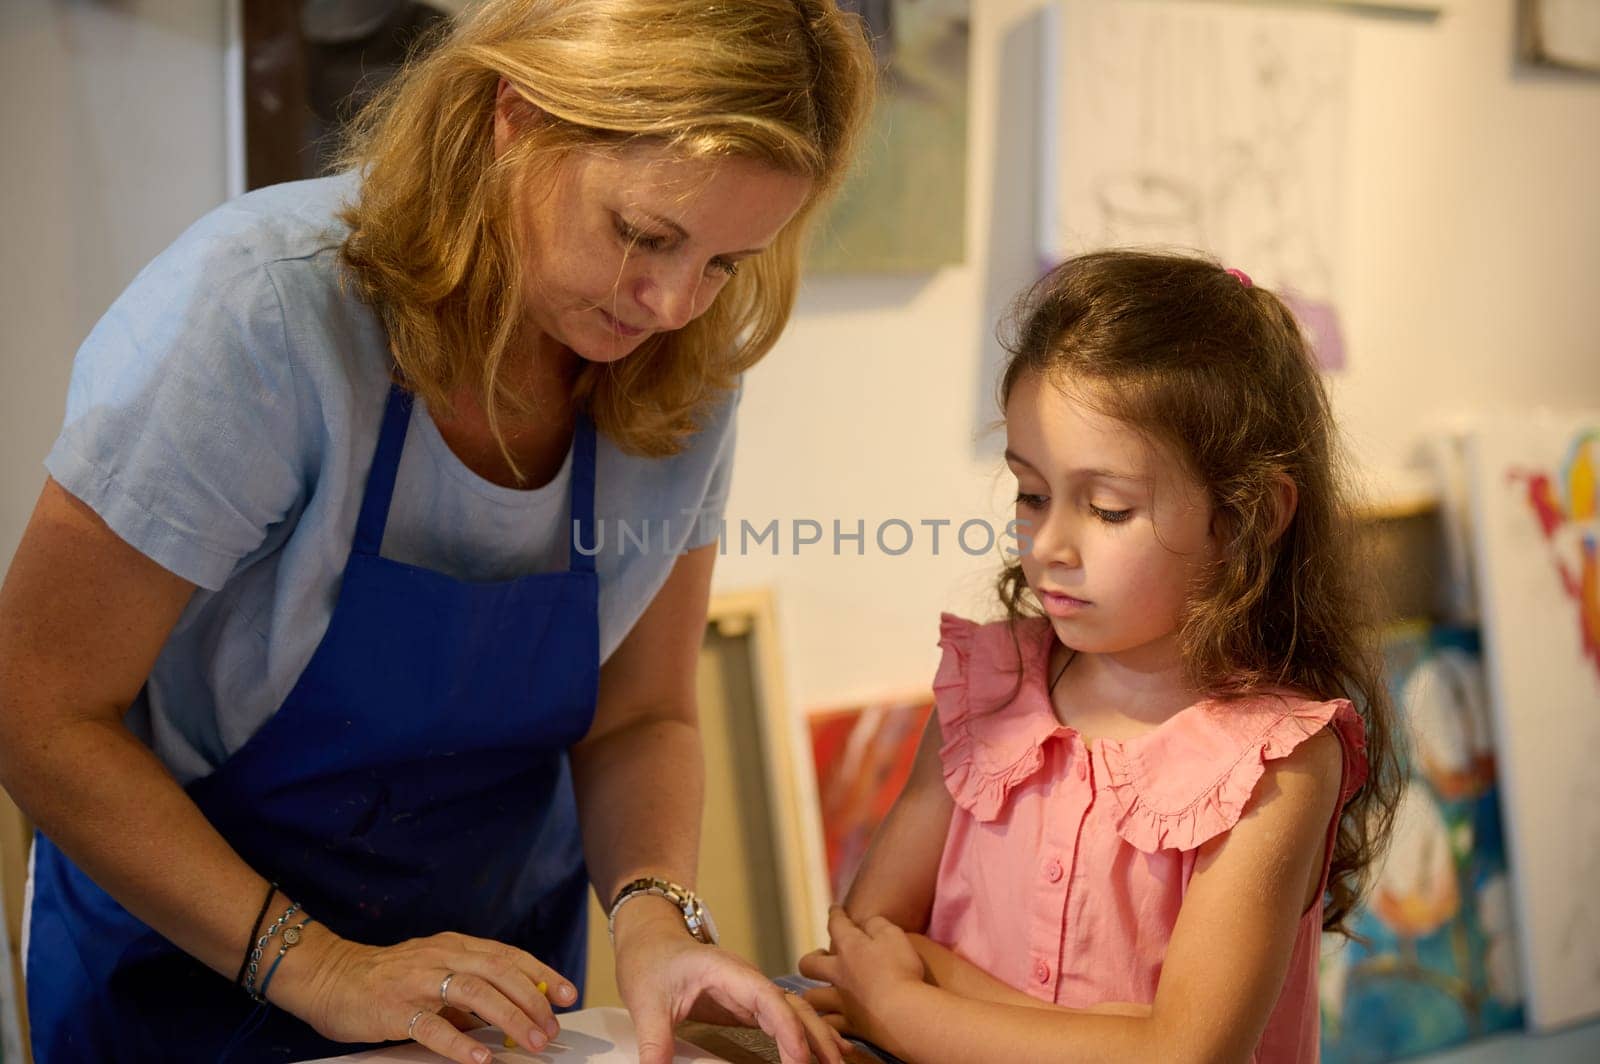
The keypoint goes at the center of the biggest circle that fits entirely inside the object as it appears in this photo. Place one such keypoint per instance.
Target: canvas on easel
(1535, 532)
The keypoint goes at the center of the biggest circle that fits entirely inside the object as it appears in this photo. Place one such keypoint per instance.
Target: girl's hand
(869, 967)
(364, 993)
(665, 976)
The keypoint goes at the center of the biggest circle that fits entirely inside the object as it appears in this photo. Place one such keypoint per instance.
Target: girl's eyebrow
(1077, 474)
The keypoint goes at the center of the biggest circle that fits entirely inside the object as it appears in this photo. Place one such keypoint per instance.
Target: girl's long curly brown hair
(1219, 372)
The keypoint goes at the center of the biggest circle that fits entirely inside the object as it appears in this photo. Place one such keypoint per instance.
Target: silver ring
(444, 987)
(411, 1028)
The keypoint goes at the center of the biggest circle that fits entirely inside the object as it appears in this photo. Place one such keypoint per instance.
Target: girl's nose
(1054, 542)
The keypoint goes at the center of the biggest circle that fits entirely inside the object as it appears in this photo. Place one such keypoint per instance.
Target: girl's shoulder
(1189, 780)
(993, 707)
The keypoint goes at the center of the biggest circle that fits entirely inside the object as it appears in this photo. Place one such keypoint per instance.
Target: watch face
(709, 925)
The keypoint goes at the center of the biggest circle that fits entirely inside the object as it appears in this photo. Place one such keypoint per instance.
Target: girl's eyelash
(729, 268)
(1032, 502)
(1111, 517)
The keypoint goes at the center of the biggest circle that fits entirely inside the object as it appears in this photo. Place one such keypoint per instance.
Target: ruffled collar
(1174, 787)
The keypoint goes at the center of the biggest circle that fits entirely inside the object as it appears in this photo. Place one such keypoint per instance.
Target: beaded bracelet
(272, 888)
(261, 945)
(291, 938)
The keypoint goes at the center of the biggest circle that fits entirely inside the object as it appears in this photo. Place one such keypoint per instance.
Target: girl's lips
(619, 328)
(1059, 605)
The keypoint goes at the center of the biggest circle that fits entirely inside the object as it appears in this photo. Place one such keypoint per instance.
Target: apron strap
(380, 478)
(583, 526)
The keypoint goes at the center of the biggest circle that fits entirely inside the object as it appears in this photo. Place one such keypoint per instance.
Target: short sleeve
(992, 719)
(709, 515)
(182, 424)
(1190, 780)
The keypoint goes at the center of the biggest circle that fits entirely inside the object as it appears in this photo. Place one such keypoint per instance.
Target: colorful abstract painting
(1437, 966)
(1534, 531)
(863, 756)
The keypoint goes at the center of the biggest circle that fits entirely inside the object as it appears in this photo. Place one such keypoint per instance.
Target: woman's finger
(438, 1034)
(558, 988)
(775, 1016)
(531, 1025)
(824, 1040)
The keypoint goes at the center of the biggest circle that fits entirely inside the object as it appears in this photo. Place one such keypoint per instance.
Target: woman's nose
(672, 297)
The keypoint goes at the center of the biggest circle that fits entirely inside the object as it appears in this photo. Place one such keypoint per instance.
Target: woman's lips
(1057, 604)
(619, 328)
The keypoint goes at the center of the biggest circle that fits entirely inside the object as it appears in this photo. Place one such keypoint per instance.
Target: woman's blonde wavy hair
(1219, 372)
(788, 83)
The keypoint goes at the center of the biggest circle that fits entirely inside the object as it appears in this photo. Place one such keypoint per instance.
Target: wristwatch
(696, 917)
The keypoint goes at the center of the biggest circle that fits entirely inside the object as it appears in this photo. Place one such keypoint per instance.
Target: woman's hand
(358, 993)
(869, 966)
(665, 976)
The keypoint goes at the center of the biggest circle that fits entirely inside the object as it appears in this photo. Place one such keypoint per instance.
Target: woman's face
(628, 243)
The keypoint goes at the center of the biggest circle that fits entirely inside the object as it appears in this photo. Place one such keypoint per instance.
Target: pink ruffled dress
(1066, 862)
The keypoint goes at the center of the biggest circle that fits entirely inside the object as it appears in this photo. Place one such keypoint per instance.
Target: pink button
(1041, 972)
(1083, 768)
(1053, 870)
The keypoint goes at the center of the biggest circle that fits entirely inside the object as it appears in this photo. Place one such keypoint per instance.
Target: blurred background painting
(1436, 962)
(863, 756)
(1535, 524)
(308, 67)
(904, 209)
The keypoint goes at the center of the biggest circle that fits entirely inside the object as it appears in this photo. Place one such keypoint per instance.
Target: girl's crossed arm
(1223, 973)
(896, 882)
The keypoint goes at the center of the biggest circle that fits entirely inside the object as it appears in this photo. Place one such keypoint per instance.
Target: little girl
(1149, 790)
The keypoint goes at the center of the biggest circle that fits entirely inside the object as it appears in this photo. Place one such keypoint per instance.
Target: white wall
(1474, 249)
(111, 137)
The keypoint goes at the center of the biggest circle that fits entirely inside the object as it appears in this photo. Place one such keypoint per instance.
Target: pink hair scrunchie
(1240, 276)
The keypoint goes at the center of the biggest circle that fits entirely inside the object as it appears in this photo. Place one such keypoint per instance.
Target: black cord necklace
(1072, 655)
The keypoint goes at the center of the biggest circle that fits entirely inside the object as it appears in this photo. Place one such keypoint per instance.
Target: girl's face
(627, 244)
(1115, 531)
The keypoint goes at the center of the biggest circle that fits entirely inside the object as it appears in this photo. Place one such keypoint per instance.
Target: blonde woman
(324, 617)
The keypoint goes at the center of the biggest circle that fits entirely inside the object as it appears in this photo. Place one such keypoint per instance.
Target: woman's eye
(1029, 501)
(637, 238)
(726, 267)
(1110, 517)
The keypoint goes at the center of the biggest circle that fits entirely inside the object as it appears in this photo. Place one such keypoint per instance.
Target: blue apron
(414, 781)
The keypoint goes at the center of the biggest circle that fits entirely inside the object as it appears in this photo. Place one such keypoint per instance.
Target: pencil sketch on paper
(1536, 521)
(1216, 128)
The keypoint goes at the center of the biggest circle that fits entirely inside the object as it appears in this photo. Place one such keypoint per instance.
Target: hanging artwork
(1536, 524)
(1219, 128)
(1435, 961)
(904, 208)
(863, 756)
(1561, 33)
(304, 69)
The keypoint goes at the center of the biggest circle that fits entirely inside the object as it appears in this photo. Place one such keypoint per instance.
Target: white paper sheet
(588, 1036)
